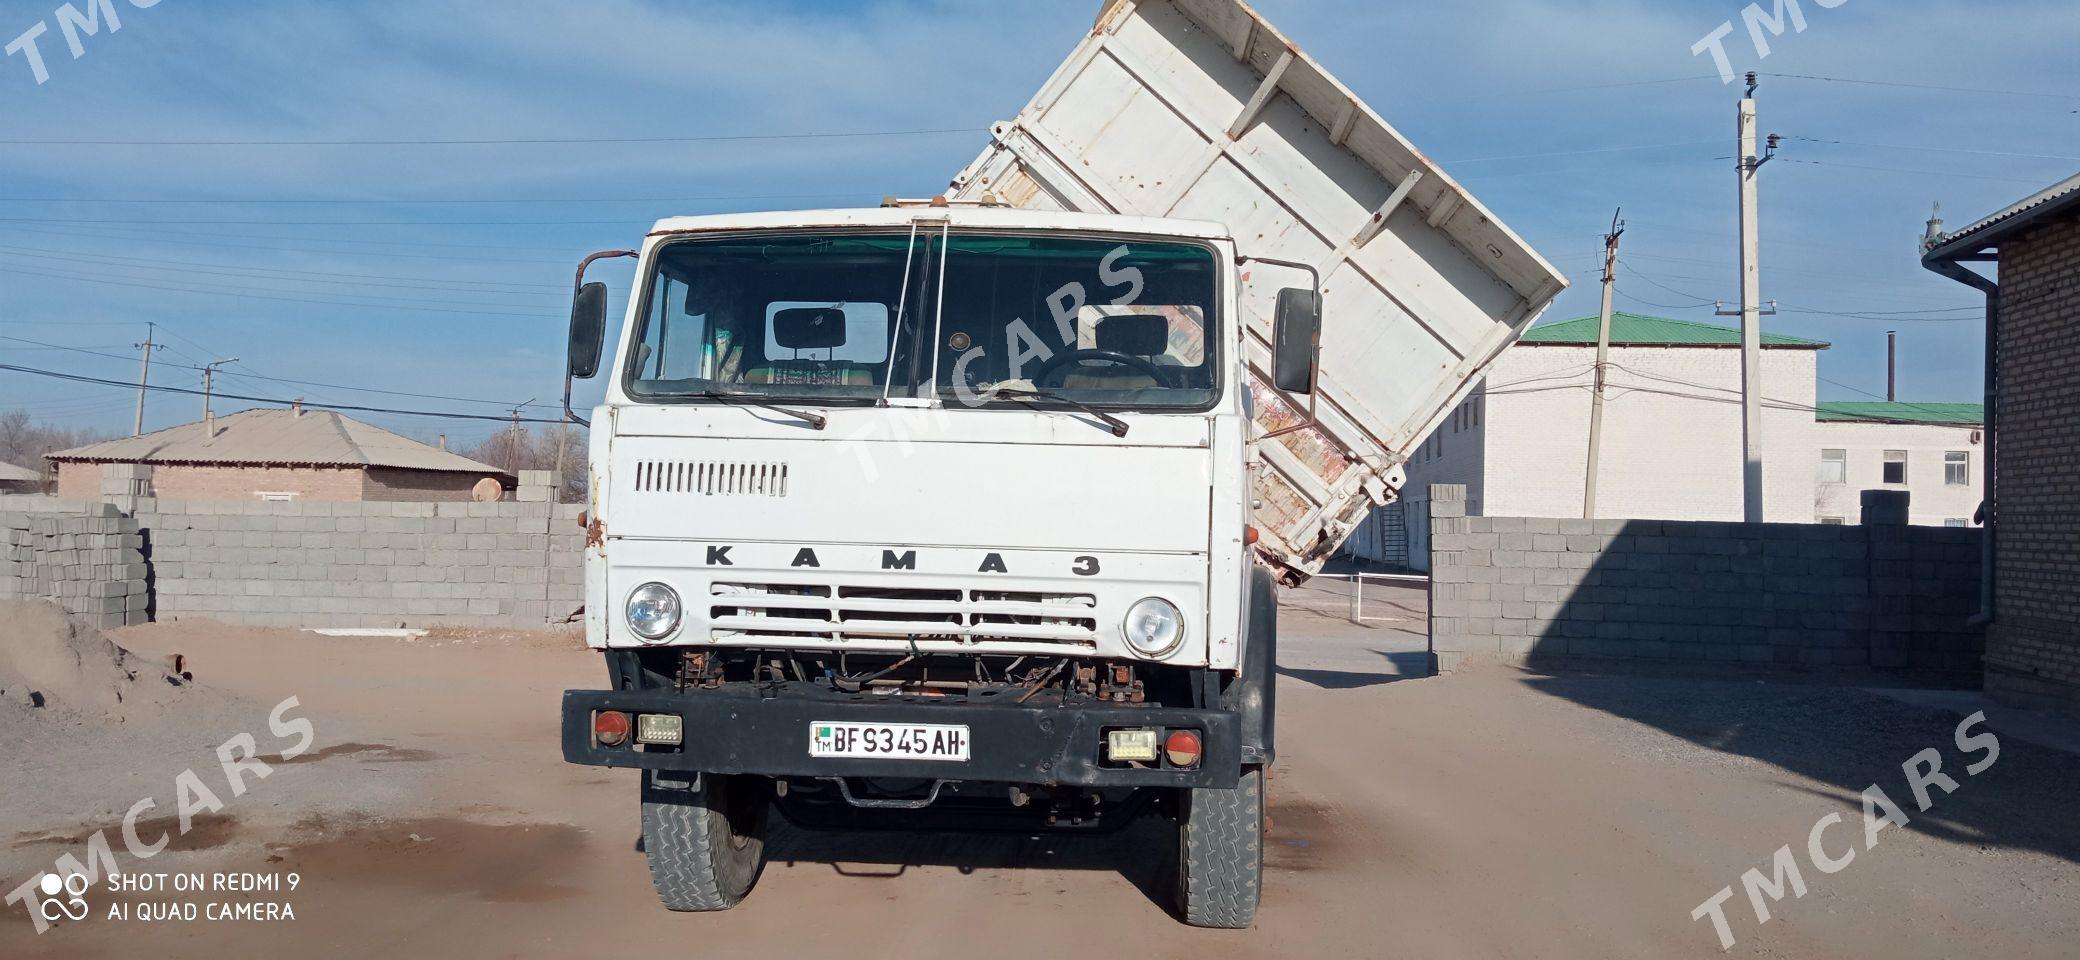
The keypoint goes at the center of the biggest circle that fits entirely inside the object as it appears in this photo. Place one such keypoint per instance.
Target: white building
(1671, 425)
(1672, 446)
(1930, 450)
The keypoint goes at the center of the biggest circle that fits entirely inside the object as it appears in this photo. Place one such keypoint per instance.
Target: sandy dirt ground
(1492, 813)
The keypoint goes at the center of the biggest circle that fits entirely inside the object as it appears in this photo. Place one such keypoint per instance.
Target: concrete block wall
(130, 557)
(317, 564)
(90, 561)
(1875, 596)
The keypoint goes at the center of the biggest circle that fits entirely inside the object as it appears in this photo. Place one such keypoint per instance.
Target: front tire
(1221, 853)
(706, 845)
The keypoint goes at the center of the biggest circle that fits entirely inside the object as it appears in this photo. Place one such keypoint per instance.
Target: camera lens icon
(73, 886)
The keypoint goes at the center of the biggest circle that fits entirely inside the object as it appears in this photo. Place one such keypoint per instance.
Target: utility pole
(513, 439)
(1891, 364)
(144, 376)
(209, 419)
(1603, 358)
(562, 437)
(1751, 310)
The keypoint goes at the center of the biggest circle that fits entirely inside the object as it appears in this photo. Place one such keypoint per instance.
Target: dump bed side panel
(1200, 109)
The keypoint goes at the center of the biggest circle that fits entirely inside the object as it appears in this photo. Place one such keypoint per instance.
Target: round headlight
(653, 611)
(1153, 627)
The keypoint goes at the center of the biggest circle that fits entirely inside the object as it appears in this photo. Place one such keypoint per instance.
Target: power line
(198, 270)
(1923, 86)
(286, 244)
(1578, 87)
(1701, 301)
(437, 282)
(77, 323)
(429, 201)
(338, 223)
(1884, 317)
(80, 378)
(256, 375)
(41, 345)
(1930, 173)
(108, 231)
(1867, 393)
(1666, 306)
(257, 296)
(1577, 153)
(1925, 149)
(515, 141)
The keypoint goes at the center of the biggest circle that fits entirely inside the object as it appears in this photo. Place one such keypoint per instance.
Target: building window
(1954, 522)
(1476, 405)
(1831, 521)
(1957, 469)
(1834, 466)
(1895, 467)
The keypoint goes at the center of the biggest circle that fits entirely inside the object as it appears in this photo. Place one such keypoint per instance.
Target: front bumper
(766, 733)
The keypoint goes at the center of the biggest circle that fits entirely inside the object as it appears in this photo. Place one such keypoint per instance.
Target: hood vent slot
(714, 478)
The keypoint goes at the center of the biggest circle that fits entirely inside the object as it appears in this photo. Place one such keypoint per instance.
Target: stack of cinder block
(17, 555)
(538, 486)
(124, 484)
(93, 565)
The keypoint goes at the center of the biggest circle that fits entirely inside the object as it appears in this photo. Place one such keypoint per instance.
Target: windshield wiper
(813, 420)
(1026, 396)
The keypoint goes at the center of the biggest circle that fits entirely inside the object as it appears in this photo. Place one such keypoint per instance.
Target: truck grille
(715, 478)
(750, 611)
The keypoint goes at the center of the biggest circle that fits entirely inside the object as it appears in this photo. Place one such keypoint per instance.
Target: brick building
(280, 455)
(2032, 593)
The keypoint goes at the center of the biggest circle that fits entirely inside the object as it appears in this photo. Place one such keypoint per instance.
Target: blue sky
(1551, 111)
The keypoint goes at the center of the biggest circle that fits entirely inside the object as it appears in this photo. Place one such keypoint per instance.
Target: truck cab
(936, 515)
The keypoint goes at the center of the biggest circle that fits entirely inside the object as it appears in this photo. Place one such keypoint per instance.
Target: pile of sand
(52, 662)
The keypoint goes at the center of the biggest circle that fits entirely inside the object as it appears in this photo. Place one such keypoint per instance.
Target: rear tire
(1221, 853)
(707, 845)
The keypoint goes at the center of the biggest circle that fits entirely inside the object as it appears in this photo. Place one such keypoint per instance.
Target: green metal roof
(1635, 330)
(1887, 411)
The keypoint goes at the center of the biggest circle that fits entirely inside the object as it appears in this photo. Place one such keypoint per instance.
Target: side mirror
(588, 330)
(1296, 340)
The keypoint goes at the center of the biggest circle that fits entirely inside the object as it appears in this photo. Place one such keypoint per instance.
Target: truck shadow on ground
(1399, 666)
(1144, 852)
(1850, 739)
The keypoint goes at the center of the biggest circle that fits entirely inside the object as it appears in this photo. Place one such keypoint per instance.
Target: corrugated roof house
(270, 454)
(18, 479)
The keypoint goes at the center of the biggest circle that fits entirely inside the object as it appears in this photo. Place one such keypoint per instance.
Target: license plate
(888, 741)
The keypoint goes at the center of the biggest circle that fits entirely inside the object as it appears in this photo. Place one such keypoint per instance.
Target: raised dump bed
(1201, 109)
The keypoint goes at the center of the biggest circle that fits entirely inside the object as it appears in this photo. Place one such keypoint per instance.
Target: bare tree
(537, 449)
(25, 443)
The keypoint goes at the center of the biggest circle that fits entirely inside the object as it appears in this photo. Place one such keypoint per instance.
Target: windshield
(859, 317)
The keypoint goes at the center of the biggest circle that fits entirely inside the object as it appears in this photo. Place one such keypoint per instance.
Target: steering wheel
(1061, 362)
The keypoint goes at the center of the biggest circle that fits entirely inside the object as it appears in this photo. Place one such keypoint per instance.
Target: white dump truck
(968, 512)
